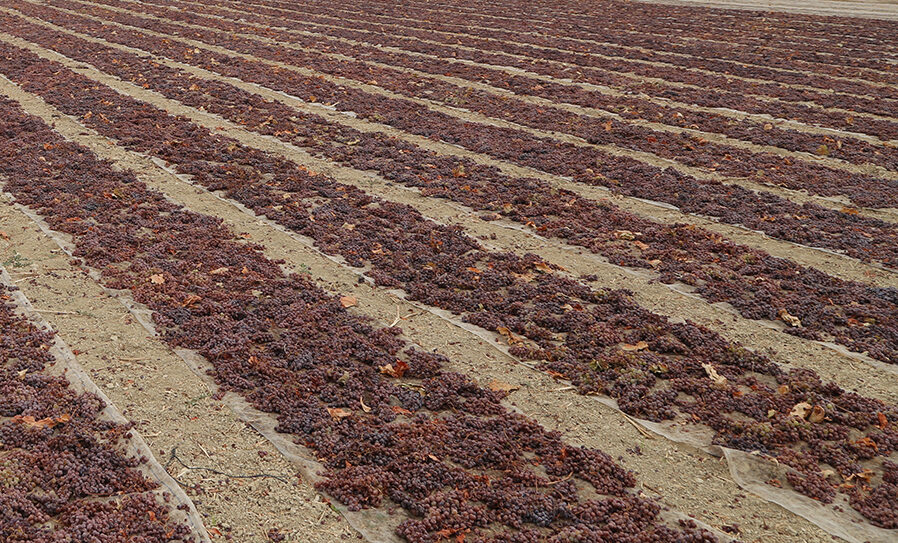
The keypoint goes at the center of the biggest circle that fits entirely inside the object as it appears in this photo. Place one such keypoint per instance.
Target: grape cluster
(63, 475)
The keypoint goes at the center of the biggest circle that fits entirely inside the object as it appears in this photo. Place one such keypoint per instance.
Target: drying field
(447, 270)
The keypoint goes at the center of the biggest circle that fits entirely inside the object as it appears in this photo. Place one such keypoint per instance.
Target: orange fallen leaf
(348, 301)
(883, 421)
(639, 346)
(157, 279)
(641, 245)
(499, 386)
(48, 422)
(190, 300)
(4, 235)
(850, 211)
(394, 371)
(338, 412)
(866, 441)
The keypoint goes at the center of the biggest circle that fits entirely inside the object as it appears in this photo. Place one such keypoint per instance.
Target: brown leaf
(817, 414)
(512, 338)
(348, 301)
(365, 408)
(641, 245)
(499, 386)
(338, 412)
(157, 279)
(823, 150)
(219, 271)
(639, 346)
(867, 442)
(850, 211)
(800, 410)
(394, 371)
(48, 422)
(791, 320)
(190, 300)
(782, 390)
(713, 375)
(4, 235)
(883, 421)
(625, 234)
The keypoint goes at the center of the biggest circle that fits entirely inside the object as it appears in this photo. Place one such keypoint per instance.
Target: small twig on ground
(645, 433)
(173, 457)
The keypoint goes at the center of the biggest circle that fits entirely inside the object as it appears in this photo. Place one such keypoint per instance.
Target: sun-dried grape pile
(392, 428)
(434, 442)
(62, 475)
(594, 338)
(760, 286)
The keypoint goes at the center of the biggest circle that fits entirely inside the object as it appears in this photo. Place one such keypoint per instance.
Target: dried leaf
(48, 422)
(867, 442)
(625, 234)
(338, 412)
(782, 390)
(823, 150)
(190, 300)
(850, 211)
(641, 245)
(791, 320)
(865, 475)
(512, 338)
(817, 414)
(348, 301)
(713, 375)
(4, 235)
(157, 279)
(883, 421)
(394, 371)
(639, 346)
(499, 386)
(365, 408)
(219, 271)
(800, 410)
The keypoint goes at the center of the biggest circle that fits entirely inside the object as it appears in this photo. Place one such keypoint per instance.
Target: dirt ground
(241, 484)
